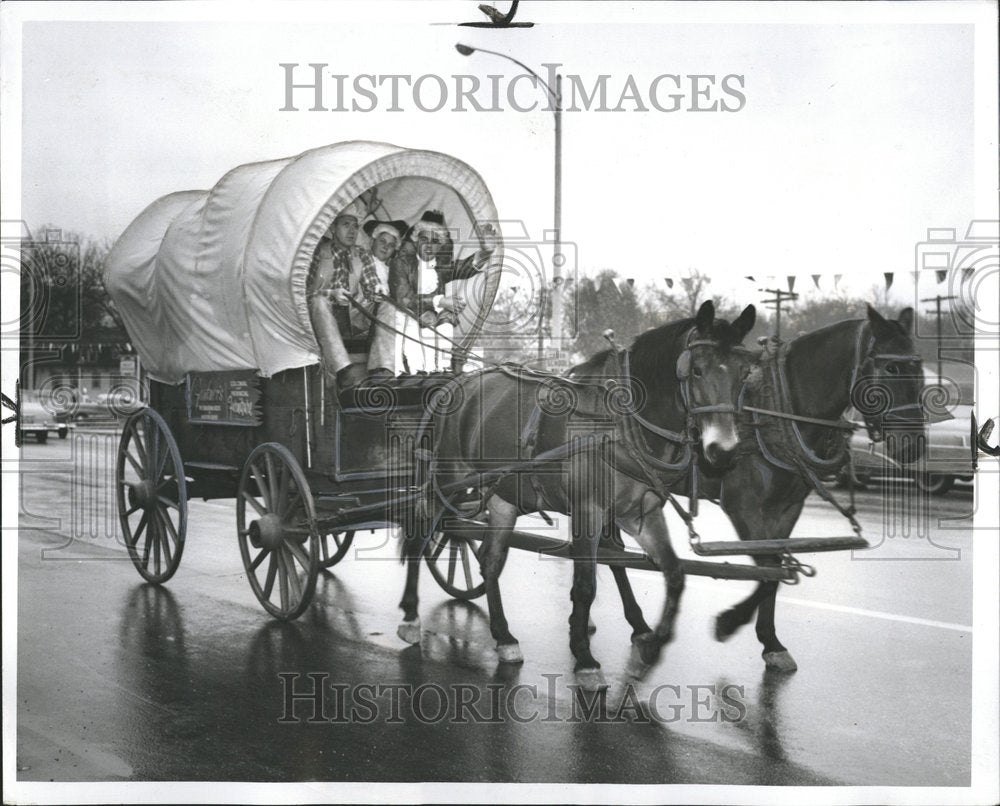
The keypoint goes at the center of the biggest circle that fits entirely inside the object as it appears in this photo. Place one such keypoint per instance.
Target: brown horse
(598, 454)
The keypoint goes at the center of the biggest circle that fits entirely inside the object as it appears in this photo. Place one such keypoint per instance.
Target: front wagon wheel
(334, 547)
(152, 496)
(276, 529)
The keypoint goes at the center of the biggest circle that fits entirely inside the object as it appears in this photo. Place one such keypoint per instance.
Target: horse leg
(633, 613)
(586, 535)
(729, 621)
(409, 627)
(503, 516)
(652, 534)
(775, 655)
(760, 504)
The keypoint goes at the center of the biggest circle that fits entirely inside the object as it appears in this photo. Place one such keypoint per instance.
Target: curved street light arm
(556, 99)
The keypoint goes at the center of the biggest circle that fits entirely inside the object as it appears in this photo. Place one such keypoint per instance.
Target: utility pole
(780, 296)
(937, 314)
(541, 323)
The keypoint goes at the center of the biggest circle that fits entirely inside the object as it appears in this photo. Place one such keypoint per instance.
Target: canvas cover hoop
(216, 280)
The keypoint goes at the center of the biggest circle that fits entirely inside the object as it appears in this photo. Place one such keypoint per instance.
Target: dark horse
(596, 457)
(871, 362)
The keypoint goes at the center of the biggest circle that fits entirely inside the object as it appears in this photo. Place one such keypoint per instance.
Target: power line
(937, 314)
(780, 297)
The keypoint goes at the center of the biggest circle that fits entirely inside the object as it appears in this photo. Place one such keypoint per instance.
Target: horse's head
(711, 371)
(888, 387)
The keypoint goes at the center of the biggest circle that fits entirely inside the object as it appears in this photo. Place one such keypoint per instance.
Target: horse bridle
(684, 376)
(875, 422)
(683, 373)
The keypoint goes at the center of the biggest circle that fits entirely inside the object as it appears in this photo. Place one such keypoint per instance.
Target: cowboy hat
(374, 227)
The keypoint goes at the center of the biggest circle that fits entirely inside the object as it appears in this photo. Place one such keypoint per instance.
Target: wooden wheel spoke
(165, 516)
(452, 562)
(169, 480)
(157, 543)
(152, 447)
(168, 502)
(139, 447)
(272, 481)
(134, 462)
(295, 587)
(465, 565)
(259, 559)
(292, 504)
(143, 522)
(284, 477)
(164, 544)
(299, 554)
(253, 502)
(272, 569)
(162, 464)
(324, 548)
(282, 579)
(262, 488)
(150, 531)
(133, 510)
(441, 543)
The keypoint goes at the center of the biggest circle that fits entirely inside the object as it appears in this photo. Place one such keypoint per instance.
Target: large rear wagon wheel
(152, 496)
(454, 564)
(279, 541)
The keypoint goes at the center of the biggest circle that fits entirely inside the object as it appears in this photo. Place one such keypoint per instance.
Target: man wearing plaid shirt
(340, 271)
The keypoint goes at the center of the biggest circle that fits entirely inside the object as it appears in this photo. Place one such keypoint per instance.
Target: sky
(856, 135)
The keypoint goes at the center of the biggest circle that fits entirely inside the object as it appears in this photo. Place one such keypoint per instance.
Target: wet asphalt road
(120, 680)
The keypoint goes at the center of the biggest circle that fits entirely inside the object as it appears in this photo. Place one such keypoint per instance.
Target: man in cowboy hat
(341, 271)
(385, 238)
(425, 264)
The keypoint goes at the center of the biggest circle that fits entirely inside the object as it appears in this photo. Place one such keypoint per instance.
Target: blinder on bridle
(684, 362)
(876, 420)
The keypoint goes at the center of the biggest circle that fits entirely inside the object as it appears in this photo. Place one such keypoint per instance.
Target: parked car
(948, 456)
(35, 421)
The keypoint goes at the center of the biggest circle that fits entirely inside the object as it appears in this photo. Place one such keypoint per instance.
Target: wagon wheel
(152, 495)
(333, 548)
(450, 557)
(280, 544)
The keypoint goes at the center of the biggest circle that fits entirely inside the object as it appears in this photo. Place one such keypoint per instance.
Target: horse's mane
(654, 353)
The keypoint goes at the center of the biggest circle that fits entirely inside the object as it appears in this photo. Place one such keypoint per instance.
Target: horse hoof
(637, 668)
(724, 629)
(591, 679)
(782, 661)
(510, 653)
(409, 631)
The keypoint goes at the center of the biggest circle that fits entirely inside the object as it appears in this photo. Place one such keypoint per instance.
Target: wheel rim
(450, 559)
(276, 527)
(333, 547)
(152, 496)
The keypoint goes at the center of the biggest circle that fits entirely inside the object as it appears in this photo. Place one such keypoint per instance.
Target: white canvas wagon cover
(216, 280)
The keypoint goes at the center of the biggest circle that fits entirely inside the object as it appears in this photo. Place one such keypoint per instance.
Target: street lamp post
(557, 256)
